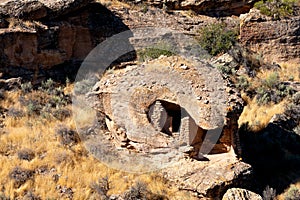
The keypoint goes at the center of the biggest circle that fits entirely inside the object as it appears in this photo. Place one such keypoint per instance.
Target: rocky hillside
(206, 124)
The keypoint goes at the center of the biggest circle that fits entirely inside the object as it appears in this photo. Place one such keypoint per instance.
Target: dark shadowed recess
(101, 23)
(274, 153)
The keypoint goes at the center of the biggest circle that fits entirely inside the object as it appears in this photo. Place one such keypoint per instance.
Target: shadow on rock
(274, 152)
(55, 46)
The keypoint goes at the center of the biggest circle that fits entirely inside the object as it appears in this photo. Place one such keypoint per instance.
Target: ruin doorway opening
(165, 116)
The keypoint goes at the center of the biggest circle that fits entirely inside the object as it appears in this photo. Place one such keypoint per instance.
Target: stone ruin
(169, 106)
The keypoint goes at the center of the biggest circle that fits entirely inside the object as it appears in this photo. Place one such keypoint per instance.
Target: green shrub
(161, 48)
(216, 38)
(276, 8)
(272, 90)
(271, 81)
(243, 83)
(26, 87)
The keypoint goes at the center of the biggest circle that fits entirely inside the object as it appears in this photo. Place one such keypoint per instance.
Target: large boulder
(238, 193)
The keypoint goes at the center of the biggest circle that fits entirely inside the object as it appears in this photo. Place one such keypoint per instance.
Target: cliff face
(60, 38)
(276, 40)
(215, 8)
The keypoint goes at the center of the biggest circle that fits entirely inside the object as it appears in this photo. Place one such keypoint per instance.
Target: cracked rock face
(277, 40)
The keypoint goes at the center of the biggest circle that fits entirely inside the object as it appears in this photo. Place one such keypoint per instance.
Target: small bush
(269, 193)
(276, 8)
(84, 86)
(31, 196)
(161, 48)
(293, 193)
(216, 38)
(101, 187)
(243, 83)
(272, 90)
(26, 154)
(67, 136)
(296, 98)
(138, 191)
(61, 114)
(20, 176)
(33, 107)
(65, 192)
(15, 113)
(26, 87)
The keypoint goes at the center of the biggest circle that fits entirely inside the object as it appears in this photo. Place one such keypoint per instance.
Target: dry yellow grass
(258, 116)
(75, 167)
(287, 72)
(290, 71)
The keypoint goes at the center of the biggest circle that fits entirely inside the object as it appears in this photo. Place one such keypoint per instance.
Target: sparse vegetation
(269, 193)
(272, 90)
(276, 8)
(35, 150)
(161, 48)
(101, 187)
(26, 154)
(20, 176)
(217, 38)
(266, 94)
(293, 193)
(67, 136)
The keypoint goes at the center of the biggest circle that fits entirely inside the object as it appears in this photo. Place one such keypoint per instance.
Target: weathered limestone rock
(238, 193)
(276, 40)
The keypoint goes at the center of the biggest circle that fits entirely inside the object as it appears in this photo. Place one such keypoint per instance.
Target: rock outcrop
(238, 193)
(49, 35)
(275, 40)
(217, 8)
(163, 114)
(41, 9)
